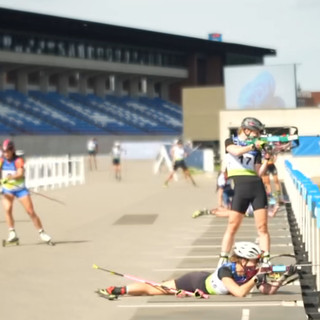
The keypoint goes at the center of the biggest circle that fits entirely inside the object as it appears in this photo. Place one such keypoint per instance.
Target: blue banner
(309, 146)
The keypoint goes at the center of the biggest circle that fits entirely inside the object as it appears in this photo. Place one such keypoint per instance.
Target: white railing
(305, 201)
(54, 172)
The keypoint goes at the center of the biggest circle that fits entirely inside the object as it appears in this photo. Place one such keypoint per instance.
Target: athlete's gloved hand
(260, 279)
(4, 180)
(260, 144)
(292, 269)
(290, 275)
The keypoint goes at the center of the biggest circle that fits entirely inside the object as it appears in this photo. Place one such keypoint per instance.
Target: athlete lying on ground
(236, 277)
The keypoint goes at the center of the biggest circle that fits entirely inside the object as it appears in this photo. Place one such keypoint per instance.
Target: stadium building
(74, 78)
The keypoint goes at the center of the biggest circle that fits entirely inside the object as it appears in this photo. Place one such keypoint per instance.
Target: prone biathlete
(236, 277)
(13, 186)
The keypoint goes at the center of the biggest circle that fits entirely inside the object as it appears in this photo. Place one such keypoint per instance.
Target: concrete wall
(201, 108)
(308, 165)
(73, 145)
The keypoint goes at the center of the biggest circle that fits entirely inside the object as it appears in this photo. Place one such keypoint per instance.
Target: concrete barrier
(305, 201)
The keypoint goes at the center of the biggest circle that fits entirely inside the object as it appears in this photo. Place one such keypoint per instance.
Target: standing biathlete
(92, 147)
(272, 170)
(178, 155)
(116, 160)
(245, 168)
(13, 186)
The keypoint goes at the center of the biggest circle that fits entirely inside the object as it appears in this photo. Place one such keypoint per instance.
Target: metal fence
(305, 201)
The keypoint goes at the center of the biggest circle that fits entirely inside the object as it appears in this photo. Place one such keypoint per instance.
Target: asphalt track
(135, 227)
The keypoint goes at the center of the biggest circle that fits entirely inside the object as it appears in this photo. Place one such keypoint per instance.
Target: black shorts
(115, 162)
(179, 164)
(271, 169)
(192, 281)
(249, 189)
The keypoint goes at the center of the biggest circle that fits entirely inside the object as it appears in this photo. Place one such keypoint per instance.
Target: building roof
(80, 29)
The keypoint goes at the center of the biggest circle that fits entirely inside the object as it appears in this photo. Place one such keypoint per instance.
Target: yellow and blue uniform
(16, 187)
(211, 283)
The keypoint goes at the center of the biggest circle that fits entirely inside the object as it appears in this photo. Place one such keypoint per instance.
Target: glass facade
(86, 49)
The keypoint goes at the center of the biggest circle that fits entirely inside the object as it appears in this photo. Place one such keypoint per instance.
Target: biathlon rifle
(272, 143)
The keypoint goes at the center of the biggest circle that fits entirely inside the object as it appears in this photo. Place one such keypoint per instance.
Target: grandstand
(67, 77)
(53, 113)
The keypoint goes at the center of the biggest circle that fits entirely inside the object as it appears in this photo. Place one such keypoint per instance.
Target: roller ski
(199, 213)
(46, 238)
(12, 240)
(105, 294)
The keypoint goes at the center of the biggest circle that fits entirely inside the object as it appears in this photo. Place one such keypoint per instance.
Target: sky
(291, 27)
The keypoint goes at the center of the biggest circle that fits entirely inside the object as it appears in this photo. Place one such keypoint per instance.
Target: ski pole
(194, 149)
(47, 197)
(39, 194)
(197, 293)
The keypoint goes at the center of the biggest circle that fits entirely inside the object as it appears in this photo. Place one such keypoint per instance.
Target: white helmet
(247, 250)
(117, 144)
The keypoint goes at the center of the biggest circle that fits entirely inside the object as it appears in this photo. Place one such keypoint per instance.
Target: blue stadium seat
(96, 106)
(53, 113)
(134, 114)
(15, 113)
(168, 121)
(77, 124)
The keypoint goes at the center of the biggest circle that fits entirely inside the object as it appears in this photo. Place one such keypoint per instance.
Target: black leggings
(192, 281)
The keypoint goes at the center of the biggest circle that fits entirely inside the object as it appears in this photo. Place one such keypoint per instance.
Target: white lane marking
(245, 314)
(201, 232)
(210, 269)
(218, 246)
(199, 246)
(214, 304)
(241, 237)
(243, 227)
(193, 257)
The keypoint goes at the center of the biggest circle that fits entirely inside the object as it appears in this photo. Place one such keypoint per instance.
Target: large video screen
(260, 87)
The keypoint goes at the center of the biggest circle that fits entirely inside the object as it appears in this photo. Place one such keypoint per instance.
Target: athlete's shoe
(105, 294)
(199, 213)
(222, 260)
(12, 236)
(165, 185)
(290, 275)
(265, 260)
(44, 237)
